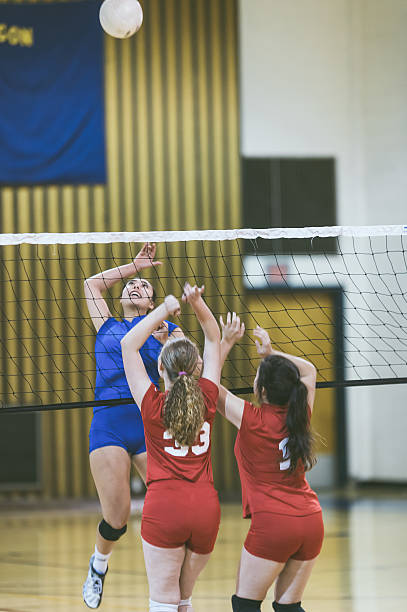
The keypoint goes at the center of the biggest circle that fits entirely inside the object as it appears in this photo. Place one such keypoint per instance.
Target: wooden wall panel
(172, 132)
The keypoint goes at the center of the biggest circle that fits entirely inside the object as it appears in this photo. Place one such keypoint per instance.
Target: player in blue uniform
(116, 437)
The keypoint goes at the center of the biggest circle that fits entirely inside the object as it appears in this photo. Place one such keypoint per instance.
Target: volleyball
(121, 18)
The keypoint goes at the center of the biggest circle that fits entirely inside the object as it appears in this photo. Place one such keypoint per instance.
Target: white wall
(329, 78)
(297, 89)
(384, 106)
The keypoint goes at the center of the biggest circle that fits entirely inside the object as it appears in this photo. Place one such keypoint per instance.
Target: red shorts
(279, 537)
(181, 513)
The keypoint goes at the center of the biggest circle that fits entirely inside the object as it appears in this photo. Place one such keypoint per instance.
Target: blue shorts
(118, 426)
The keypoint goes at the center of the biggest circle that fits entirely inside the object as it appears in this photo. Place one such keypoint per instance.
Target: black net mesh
(344, 309)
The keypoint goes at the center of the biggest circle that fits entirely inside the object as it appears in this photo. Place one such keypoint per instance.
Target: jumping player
(116, 437)
(181, 510)
(273, 450)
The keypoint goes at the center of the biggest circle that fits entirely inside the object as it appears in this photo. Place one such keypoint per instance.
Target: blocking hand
(233, 329)
(263, 344)
(191, 295)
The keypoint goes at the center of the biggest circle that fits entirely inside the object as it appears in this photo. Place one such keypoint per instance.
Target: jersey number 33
(198, 449)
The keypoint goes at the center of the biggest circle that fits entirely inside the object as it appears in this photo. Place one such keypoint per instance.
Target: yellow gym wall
(303, 324)
(172, 130)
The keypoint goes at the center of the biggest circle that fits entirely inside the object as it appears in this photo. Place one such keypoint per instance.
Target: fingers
(145, 256)
(151, 249)
(233, 330)
(187, 292)
(146, 248)
(234, 321)
(192, 293)
(263, 344)
(259, 332)
(229, 319)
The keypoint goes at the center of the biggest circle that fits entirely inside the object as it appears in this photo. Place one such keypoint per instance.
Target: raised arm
(134, 367)
(210, 328)
(229, 405)
(307, 370)
(96, 285)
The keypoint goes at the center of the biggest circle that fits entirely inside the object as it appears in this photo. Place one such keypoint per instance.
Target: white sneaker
(93, 587)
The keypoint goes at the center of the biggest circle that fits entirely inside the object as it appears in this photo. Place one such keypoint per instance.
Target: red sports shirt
(267, 485)
(166, 459)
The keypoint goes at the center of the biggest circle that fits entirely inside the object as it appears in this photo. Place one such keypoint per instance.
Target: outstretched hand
(233, 329)
(172, 305)
(191, 295)
(263, 344)
(145, 257)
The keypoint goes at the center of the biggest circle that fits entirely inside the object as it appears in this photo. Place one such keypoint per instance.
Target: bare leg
(163, 567)
(291, 582)
(140, 463)
(191, 568)
(110, 467)
(255, 576)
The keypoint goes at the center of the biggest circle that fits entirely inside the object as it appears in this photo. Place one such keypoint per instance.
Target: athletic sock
(155, 606)
(240, 604)
(100, 561)
(294, 607)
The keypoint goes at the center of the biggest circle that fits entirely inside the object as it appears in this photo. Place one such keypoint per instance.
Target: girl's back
(267, 482)
(168, 460)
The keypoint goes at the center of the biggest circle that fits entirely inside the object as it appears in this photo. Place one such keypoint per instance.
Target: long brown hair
(184, 407)
(280, 380)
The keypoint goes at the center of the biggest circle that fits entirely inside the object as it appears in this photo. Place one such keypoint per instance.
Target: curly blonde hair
(184, 408)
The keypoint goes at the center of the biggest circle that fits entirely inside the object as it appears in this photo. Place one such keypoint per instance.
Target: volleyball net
(334, 295)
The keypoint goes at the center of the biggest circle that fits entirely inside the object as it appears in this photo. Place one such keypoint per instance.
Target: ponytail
(184, 407)
(280, 380)
(300, 440)
(184, 410)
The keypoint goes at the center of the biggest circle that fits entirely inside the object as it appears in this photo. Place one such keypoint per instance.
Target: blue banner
(51, 94)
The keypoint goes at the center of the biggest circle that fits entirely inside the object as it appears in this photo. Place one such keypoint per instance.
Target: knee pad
(109, 533)
(295, 607)
(240, 604)
(156, 606)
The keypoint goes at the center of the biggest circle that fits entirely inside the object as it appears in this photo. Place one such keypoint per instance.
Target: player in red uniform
(181, 510)
(273, 450)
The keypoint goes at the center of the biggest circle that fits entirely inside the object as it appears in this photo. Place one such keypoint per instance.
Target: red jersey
(260, 449)
(166, 459)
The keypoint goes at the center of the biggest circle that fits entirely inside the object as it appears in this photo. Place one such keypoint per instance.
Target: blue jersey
(111, 382)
